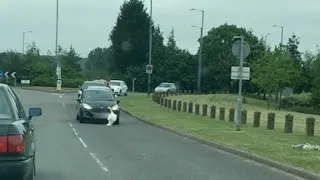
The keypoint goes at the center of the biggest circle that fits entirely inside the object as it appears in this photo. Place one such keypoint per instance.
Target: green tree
(218, 59)
(99, 63)
(130, 36)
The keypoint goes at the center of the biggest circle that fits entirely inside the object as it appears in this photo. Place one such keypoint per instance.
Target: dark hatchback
(17, 137)
(96, 103)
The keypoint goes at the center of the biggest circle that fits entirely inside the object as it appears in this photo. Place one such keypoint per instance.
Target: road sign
(6, 74)
(13, 75)
(236, 49)
(235, 73)
(149, 69)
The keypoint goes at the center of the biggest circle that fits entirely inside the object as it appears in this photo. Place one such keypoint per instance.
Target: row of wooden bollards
(189, 107)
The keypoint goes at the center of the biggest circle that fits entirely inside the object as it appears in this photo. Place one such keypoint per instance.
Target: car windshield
(165, 85)
(86, 85)
(5, 112)
(114, 83)
(98, 95)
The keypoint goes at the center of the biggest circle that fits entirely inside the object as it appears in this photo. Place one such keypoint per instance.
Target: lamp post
(200, 50)
(265, 39)
(150, 46)
(281, 27)
(23, 37)
(58, 70)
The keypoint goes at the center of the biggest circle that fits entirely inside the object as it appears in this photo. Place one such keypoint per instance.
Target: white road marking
(82, 142)
(102, 166)
(93, 155)
(75, 132)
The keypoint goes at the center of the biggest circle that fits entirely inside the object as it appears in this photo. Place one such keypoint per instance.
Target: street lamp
(265, 39)
(23, 37)
(281, 33)
(150, 46)
(58, 70)
(200, 51)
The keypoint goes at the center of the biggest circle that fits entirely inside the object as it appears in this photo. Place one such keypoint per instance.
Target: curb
(287, 168)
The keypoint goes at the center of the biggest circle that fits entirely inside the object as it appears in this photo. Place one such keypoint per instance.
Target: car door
(29, 130)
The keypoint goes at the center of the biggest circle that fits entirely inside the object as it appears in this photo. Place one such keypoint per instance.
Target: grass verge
(274, 145)
(50, 89)
(229, 101)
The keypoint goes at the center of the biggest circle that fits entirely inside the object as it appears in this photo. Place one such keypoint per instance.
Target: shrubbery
(51, 82)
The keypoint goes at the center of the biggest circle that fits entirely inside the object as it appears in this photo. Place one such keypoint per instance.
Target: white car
(166, 87)
(118, 87)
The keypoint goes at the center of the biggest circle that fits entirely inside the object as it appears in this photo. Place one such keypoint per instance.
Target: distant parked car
(118, 87)
(17, 137)
(166, 87)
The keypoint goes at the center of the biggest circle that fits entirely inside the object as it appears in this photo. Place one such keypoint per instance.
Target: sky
(87, 24)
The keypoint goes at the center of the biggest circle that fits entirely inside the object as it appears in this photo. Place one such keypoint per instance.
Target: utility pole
(58, 70)
(23, 38)
(150, 47)
(200, 49)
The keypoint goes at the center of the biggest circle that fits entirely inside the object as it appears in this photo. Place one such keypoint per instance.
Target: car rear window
(5, 112)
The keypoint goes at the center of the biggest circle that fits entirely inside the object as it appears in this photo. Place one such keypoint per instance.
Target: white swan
(111, 118)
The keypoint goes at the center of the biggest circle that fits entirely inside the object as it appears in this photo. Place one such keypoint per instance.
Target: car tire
(117, 122)
(32, 176)
(126, 94)
(77, 118)
(82, 120)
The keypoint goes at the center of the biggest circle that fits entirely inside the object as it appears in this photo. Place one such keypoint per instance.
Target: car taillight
(12, 144)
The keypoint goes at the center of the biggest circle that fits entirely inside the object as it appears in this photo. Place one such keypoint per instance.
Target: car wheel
(32, 175)
(77, 118)
(117, 122)
(82, 120)
(126, 94)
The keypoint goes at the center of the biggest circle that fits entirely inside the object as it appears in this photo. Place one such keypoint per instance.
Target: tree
(218, 59)
(274, 72)
(99, 63)
(130, 36)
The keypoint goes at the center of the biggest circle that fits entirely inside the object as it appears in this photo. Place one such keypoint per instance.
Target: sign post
(14, 77)
(241, 50)
(59, 82)
(133, 80)
(149, 69)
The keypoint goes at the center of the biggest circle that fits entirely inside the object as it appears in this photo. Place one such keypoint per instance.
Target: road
(132, 151)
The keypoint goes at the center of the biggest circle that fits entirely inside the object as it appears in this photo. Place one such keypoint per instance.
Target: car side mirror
(33, 112)
(118, 101)
(79, 100)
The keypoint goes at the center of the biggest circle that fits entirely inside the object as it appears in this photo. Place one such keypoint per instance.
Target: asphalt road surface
(68, 150)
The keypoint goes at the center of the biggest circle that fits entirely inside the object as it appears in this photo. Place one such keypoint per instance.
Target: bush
(44, 81)
(298, 100)
(51, 82)
(72, 83)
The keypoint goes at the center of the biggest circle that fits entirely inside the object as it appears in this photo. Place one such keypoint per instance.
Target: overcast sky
(86, 24)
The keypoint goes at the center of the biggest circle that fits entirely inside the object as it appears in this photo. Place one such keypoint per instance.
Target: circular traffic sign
(149, 68)
(236, 49)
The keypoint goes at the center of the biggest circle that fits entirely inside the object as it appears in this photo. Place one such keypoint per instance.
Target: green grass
(50, 89)
(270, 144)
